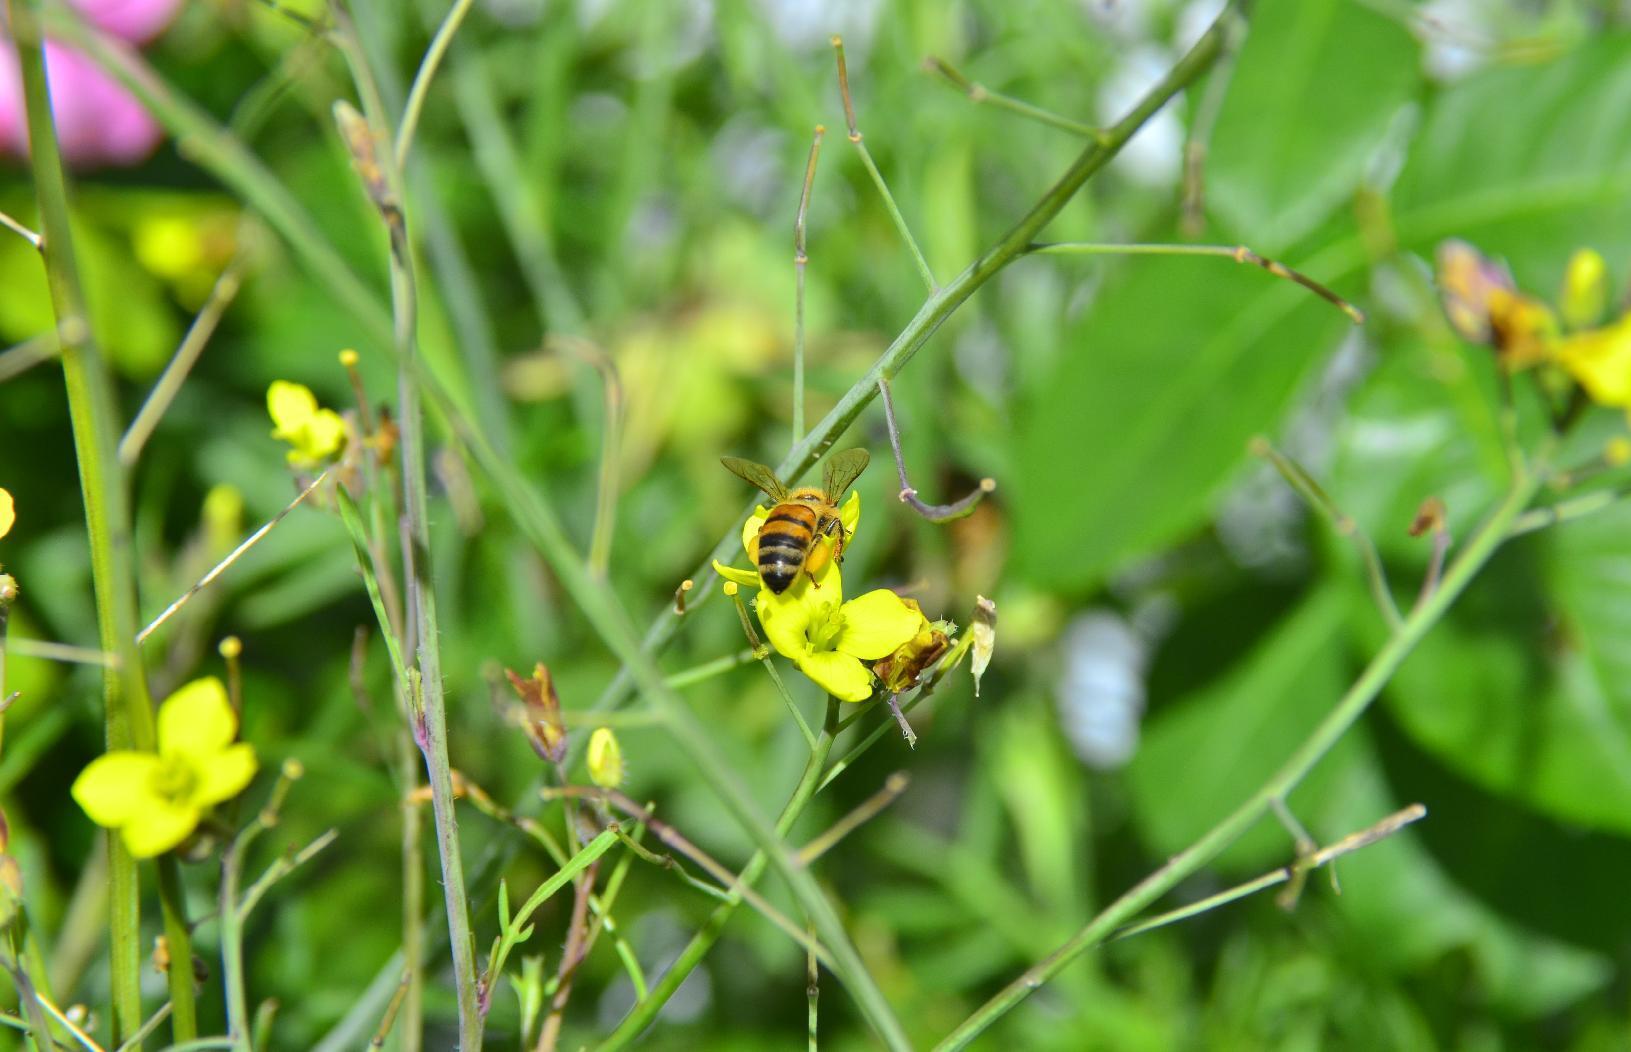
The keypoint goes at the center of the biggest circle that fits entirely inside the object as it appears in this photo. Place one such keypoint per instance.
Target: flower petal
(197, 721)
(877, 623)
(1601, 361)
(840, 675)
(291, 407)
(8, 512)
(158, 826)
(850, 513)
(745, 578)
(116, 786)
(750, 529)
(786, 621)
(225, 774)
(325, 434)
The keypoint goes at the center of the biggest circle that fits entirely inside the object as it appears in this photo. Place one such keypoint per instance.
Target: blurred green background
(1172, 620)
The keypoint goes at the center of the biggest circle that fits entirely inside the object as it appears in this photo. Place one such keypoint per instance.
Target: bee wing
(758, 474)
(843, 468)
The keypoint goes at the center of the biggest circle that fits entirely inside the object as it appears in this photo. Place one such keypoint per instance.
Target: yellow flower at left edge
(827, 639)
(313, 433)
(8, 512)
(155, 800)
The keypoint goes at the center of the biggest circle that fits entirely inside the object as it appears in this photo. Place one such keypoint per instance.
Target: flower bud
(8, 512)
(544, 726)
(605, 759)
(1585, 289)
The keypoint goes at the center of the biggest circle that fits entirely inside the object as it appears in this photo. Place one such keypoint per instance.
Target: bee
(788, 541)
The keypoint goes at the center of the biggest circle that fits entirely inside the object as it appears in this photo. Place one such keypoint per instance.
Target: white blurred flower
(1102, 693)
(1154, 155)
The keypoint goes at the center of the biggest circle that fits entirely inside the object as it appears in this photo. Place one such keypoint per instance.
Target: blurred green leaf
(1533, 195)
(1147, 414)
(1534, 715)
(1202, 758)
(1309, 100)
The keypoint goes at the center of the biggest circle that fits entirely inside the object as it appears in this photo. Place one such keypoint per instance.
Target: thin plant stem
(147, 1028)
(1285, 874)
(46, 650)
(19, 358)
(812, 993)
(34, 240)
(128, 716)
(175, 373)
(1314, 495)
(388, 1020)
(869, 809)
(280, 868)
(422, 79)
(980, 94)
(39, 1029)
(232, 557)
(1239, 253)
(85, 1040)
(572, 955)
(1196, 146)
(762, 652)
(908, 495)
(420, 583)
(644, 1012)
(1330, 730)
(871, 166)
(611, 431)
(801, 260)
(1565, 510)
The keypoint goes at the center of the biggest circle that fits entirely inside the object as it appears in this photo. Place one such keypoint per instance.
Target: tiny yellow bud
(605, 759)
(223, 516)
(293, 769)
(730, 588)
(231, 648)
(348, 358)
(1618, 451)
(8, 588)
(1585, 289)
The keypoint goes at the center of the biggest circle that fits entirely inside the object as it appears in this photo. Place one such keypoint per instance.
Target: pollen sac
(985, 637)
(546, 731)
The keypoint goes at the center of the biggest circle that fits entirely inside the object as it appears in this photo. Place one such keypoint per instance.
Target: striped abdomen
(784, 541)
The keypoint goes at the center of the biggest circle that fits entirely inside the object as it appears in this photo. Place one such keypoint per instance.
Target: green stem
(1331, 729)
(978, 93)
(432, 707)
(644, 1012)
(127, 709)
(232, 950)
(422, 79)
(178, 936)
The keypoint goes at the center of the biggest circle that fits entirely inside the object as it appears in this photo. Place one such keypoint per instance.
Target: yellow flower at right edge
(155, 800)
(315, 434)
(8, 512)
(1600, 361)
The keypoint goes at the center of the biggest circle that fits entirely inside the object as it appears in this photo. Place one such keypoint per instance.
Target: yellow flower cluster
(832, 641)
(1484, 306)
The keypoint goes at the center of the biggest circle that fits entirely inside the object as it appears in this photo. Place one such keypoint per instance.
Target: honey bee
(787, 542)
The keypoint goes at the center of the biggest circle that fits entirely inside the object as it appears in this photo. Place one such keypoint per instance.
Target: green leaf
(1531, 710)
(1310, 98)
(1205, 756)
(1528, 162)
(1146, 416)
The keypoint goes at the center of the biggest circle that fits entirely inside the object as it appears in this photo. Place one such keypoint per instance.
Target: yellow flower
(155, 800)
(828, 639)
(8, 512)
(605, 759)
(315, 434)
(1600, 360)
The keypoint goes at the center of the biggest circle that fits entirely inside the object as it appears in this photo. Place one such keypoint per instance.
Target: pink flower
(137, 21)
(98, 121)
